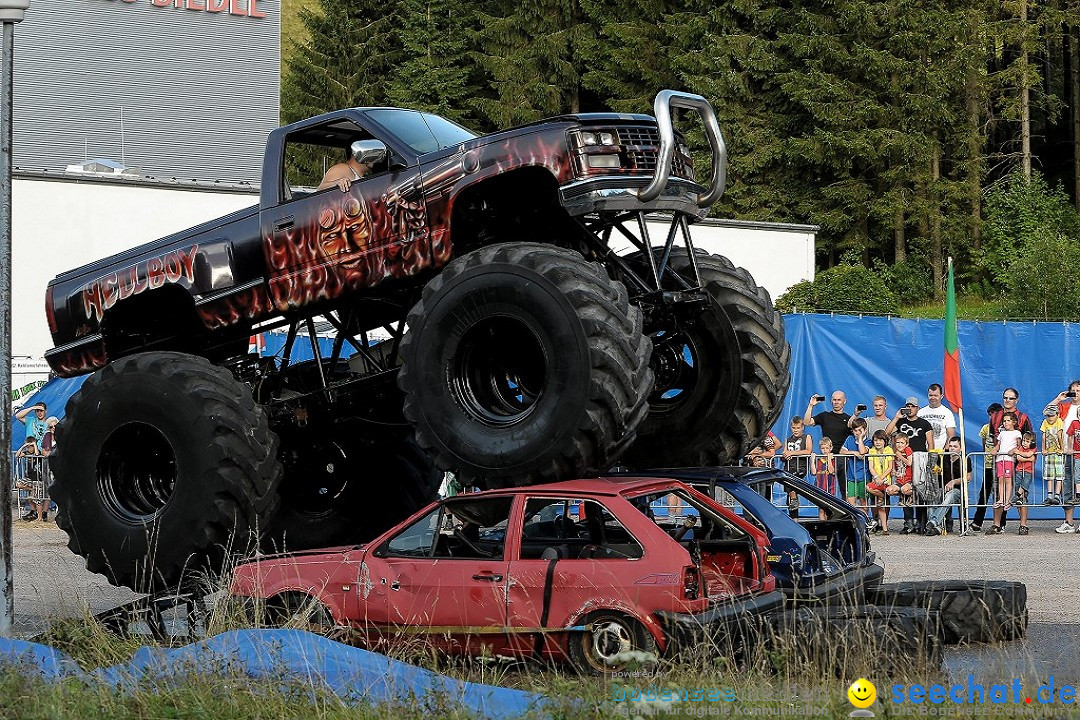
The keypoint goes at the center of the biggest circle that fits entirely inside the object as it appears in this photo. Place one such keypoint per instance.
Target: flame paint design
(80, 360)
(344, 244)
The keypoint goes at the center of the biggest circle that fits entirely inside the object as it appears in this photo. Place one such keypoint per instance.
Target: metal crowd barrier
(978, 493)
(984, 473)
(31, 479)
(857, 469)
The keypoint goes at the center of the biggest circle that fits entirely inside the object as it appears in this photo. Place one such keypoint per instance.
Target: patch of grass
(88, 642)
(759, 679)
(811, 668)
(27, 697)
(968, 307)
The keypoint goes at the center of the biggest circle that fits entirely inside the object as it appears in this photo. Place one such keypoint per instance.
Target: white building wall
(178, 88)
(59, 224)
(778, 255)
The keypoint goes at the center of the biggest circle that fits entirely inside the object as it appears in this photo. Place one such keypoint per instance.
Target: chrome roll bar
(665, 100)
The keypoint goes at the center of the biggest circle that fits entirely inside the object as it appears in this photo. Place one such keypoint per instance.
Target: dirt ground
(52, 582)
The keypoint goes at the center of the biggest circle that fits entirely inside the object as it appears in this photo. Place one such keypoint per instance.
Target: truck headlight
(591, 138)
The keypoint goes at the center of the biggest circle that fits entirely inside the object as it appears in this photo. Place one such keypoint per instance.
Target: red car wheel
(612, 642)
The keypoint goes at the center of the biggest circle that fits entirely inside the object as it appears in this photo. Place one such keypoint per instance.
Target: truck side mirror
(368, 152)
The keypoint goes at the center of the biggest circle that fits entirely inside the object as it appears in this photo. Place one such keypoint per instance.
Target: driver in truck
(344, 174)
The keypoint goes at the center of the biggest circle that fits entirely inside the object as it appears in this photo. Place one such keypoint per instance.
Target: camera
(860, 407)
(1070, 394)
(819, 398)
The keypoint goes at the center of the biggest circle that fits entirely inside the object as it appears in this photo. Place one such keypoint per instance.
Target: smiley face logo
(862, 693)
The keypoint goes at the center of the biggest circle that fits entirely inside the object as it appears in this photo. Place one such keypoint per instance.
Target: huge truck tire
(969, 611)
(341, 489)
(721, 375)
(848, 639)
(523, 364)
(165, 464)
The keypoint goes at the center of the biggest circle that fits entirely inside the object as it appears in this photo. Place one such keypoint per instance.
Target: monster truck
(517, 347)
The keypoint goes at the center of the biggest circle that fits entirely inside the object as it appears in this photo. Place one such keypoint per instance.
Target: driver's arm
(339, 175)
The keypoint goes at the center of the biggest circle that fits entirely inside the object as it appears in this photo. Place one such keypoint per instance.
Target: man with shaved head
(835, 424)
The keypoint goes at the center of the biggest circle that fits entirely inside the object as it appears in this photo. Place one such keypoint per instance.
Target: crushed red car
(584, 570)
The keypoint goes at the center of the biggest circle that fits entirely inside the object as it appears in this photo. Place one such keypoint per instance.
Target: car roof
(698, 474)
(609, 486)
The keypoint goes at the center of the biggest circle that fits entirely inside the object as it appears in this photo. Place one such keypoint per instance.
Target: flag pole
(952, 344)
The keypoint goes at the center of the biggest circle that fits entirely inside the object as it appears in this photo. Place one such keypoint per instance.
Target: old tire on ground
(339, 489)
(968, 610)
(166, 465)
(612, 642)
(721, 376)
(849, 639)
(522, 364)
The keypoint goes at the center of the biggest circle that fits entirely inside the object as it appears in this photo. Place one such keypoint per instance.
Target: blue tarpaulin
(274, 345)
(290, 658)
(895, 357)
(863, 356)
(55, 394)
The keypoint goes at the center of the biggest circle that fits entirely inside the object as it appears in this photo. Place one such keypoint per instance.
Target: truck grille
(642, 147)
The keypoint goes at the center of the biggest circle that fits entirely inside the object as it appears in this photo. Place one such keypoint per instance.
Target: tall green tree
(533, 54)
(438, 72)
(729, 52)
(630, 56)
(346, 61)
(881, 121)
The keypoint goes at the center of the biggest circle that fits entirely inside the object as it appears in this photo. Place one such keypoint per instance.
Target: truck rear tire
(721, 378)
(165, 464)
(523, 364)
(341, 490)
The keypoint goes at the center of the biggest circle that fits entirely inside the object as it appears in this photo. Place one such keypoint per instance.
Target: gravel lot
(50, 582)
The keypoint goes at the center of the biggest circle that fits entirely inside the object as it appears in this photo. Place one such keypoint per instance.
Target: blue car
(821, 553)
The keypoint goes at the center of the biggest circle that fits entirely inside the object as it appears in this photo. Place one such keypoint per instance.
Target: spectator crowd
(913, 459)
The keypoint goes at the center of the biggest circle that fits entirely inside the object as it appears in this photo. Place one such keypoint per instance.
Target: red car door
(445, 575)
(595, 563)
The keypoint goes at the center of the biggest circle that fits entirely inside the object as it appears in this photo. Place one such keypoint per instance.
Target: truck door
(322, 244)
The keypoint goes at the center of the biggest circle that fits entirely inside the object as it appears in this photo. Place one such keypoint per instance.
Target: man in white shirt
(941, 418)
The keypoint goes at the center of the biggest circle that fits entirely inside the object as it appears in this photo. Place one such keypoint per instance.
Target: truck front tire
(164, 465)
(523, 364)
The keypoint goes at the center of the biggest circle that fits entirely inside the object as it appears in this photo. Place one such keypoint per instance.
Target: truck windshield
(423, 132)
